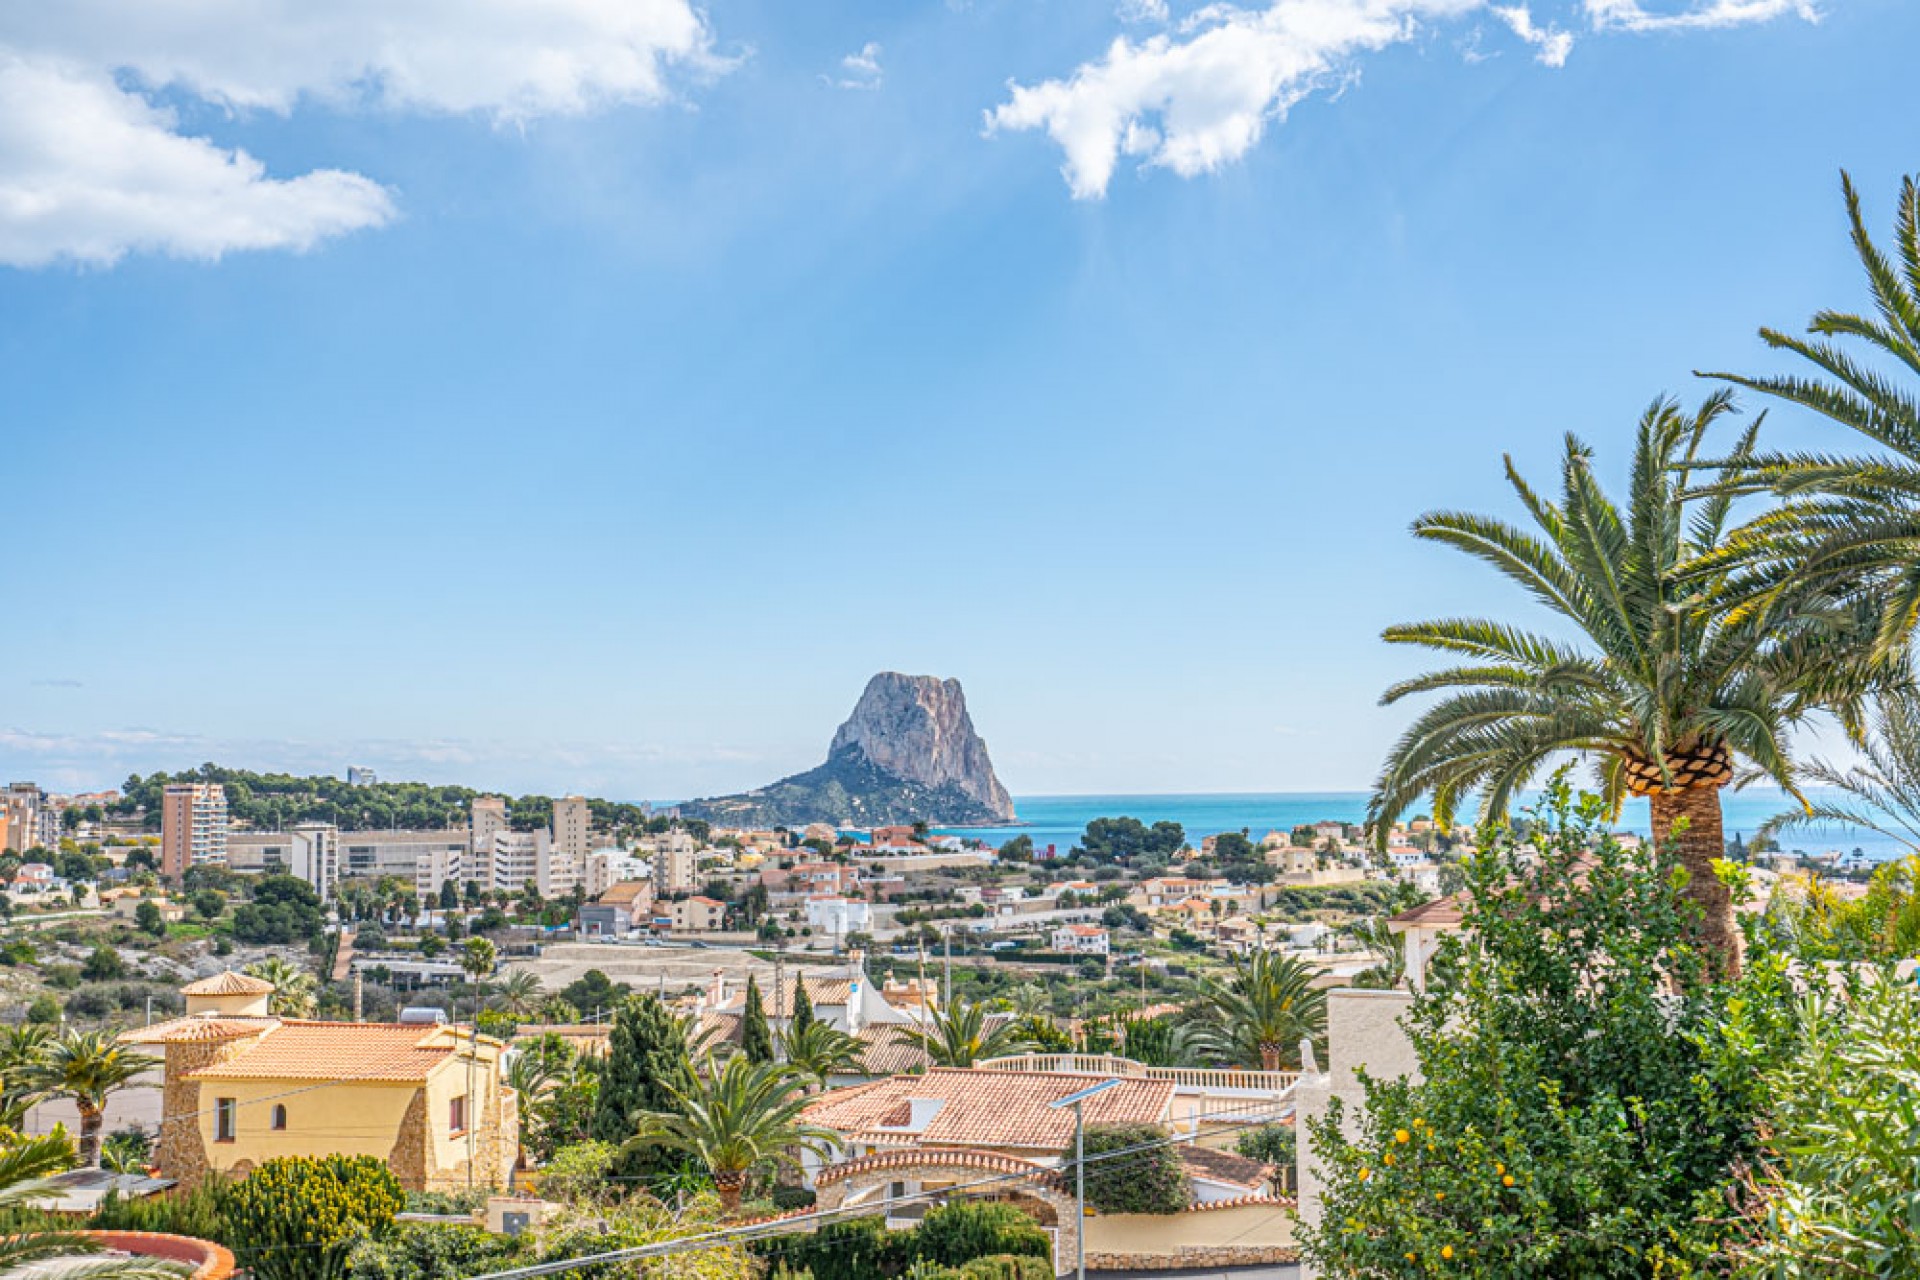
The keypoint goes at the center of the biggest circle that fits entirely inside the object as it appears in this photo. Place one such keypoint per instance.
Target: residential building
(676, 863)
(314, 856)
(1082, 939)
(489, 818)
(572, 827)
(127, 906)
(837, 917)
(243, 1086)
(809, 878)
(619, 909)
(516, 858)
(31, 821)
(193, 827)
(608, 867)
(697, 914)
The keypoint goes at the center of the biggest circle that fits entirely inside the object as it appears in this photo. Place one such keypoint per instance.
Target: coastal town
(524, 516)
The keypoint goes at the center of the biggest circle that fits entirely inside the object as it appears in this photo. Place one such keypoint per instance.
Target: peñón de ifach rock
(908, 753)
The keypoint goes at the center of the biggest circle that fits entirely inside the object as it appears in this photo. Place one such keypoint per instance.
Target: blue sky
(592, 394)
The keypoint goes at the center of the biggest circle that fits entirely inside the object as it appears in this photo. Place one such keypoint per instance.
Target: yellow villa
(243, 1085)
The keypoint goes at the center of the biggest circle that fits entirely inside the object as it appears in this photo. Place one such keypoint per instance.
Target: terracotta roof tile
(1225, 1166)
(197, 1027)
(986, 1108)
(338, 1051)
(939, 1157)
(228, 984)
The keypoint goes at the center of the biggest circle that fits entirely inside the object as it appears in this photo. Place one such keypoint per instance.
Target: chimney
(717, 990)
(359, 997)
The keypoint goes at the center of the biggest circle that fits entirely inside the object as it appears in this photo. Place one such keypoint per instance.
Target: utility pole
(926, 1055)
(1077, 1102)
(946, 945)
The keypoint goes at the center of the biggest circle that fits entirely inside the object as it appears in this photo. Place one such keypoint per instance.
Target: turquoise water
(1060, 820)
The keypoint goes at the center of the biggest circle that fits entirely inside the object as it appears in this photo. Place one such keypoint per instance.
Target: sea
(1060, 821)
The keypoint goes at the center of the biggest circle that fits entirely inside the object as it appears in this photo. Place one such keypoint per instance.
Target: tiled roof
(197, 1027)
(885, 1050)
(1441, 913)
(827, 991)
(1224, 1166)
(1237, 1201)
(935, 1157)
(228, 984)
(624, 893)
(337, 1051)
(986, 1108)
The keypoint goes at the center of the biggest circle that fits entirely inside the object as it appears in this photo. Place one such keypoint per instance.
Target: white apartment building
(572, 827)
(1082, 939)
(608, 867)
(517, 857)
(837, 917)
(489, 817)
(313, 854)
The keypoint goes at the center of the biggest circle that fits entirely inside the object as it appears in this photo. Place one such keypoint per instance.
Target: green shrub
(296, 1217)
(1585, 1085)
(430, 1251)
(1273, 1143)
(850, 1249)
(1150, 1180)
(201, 1212)
(962, 1230)
(1844, 1189)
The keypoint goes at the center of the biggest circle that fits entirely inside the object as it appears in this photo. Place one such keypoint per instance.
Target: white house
(837, 916)
(1082, 939)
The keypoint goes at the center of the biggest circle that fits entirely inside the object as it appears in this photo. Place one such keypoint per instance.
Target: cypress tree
(802, 1007)
(756, 1037)
(647, 1056)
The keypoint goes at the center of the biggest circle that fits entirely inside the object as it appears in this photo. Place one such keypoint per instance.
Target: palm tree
(1850, 524)
(958, 1036)
(817, 1050)
(89, 1067)
(23, 1165)
(738, 1115)
(23, 1053)
(519, 993)
(1261, 1013)
(1389, 950)
(294, 990)
(1882, 792)
(1667, 686)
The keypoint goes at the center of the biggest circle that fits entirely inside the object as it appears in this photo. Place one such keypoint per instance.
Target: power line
(783, 1226)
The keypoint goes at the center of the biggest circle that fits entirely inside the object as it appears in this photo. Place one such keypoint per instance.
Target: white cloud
(860, 70)
(92, 167)
(1552, 44)
(89, 173)
(1212, 86)
(512, 59)
(1629, 15)
(1142, 10)
(1201, 96)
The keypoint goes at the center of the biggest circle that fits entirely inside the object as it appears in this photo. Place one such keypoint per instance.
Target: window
(280, 1115)
(225, 1117)
(457, 1115)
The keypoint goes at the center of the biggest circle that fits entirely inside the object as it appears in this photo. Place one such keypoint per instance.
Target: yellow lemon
(1402, 1136)
(1446, 1251)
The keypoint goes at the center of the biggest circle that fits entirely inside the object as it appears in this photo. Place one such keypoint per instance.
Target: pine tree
(756, 1037)
(647, 1053)
(802, 1007)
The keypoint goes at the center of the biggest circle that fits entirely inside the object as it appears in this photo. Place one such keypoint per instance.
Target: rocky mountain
(908, 753)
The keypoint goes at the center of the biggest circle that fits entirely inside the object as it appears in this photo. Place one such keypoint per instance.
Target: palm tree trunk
(91, 1121)
(1269, 1056)
(1702, 840)
(730, 1183)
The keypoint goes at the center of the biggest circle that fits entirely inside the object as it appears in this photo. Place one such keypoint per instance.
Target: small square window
(457, 1115)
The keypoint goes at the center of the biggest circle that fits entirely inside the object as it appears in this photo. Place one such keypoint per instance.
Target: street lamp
(1075, 1100)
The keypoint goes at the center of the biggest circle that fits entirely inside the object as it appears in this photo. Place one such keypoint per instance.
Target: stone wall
(181, 1153)
(1195, 1258)
(496, 1146)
